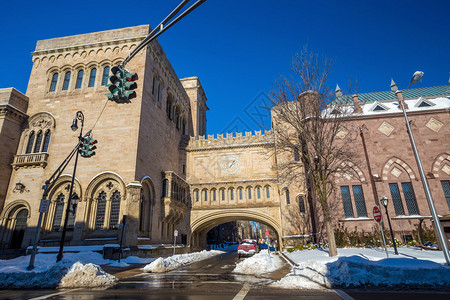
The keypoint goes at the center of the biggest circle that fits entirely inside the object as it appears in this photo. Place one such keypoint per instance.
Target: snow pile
(88, 275)
(259, 264)
(173, 262)
(366, 268)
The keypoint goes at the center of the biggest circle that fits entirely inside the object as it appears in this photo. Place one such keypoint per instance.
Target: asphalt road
(210, 279)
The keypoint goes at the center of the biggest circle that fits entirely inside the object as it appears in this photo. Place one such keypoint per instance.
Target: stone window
(37, 145)
(214, 195)
(231, 194)
(79, 79)
(446, 187)
(54, 82)
(115, 210)
(396, 199)
(410, 198)
(101, 209)
(196, 195)
(301, 204)
(91, 82)
(267, 192)
(30, 143)
(165, 188)
(249, 189)
(288, 200)
(58, 215)
(258, 192)
(105, 75)
(240, 193)
(46, 141)
(205, 195)
(72, 214)
(66, 81)
(223, 194)
(347, 201)
(360, 203)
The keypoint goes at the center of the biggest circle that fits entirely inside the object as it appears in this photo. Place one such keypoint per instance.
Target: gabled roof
(389, 95)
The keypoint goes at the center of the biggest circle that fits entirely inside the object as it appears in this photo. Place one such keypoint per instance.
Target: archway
(20, 220)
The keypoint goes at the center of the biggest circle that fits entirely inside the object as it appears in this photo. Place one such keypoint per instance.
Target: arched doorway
(20, 220)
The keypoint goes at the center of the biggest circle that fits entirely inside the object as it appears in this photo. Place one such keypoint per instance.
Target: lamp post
(384, 201)
(416, 77)
(78, 116)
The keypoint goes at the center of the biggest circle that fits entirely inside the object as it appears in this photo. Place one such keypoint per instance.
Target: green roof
(443, 90)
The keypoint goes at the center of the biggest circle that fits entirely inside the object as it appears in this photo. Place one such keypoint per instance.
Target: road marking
(54, 294)
(344, 295)
(243, 292)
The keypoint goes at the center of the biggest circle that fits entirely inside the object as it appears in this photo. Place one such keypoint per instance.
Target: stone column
(132, 212)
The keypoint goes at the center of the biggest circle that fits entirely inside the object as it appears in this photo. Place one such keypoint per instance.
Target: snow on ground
(259, 264)
(359, 267)
(173, 262)
(75, 270)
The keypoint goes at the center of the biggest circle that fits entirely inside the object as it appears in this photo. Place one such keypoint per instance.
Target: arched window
(92, 77)
(165, 188)
(258, 192)
(249, 189)
(267, 192)
(288, 200)
(54, 82)
(301, 204)
(37, 146)
(240, 193)
(46, 141)
(105, 75)
(168, 105)
(115, 210)
(214, 195)
(205, 194)
(71, 218)
(66, 81)
(196, 195)
(79, 79)
(101, 208)
(223, 194)
(59, 209)
(30, 143)
(141, 211)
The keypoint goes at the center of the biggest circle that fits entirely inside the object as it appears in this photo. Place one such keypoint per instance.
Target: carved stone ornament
(42, 123)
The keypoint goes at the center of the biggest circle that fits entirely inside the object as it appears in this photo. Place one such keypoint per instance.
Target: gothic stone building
(155, 164)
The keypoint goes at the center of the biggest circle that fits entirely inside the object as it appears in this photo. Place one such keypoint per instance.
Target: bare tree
(306, 123)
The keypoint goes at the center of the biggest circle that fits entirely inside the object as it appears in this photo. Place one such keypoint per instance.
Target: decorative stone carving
(396, 172)
(434, 124)
(386, 128)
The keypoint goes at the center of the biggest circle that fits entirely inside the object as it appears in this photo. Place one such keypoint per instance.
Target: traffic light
(129, 85)
(116, 85)
(88, 146)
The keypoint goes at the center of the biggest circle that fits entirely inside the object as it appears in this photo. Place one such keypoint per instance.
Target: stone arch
(11, 236)
(68, 55)
(399, 164)
(349, 171)
(147, 203)
(62, 186)
(60, 57)
(441, 163)
(92, 53)
(36, 63)
(124, 48)
(206, 222)
(105, 186)
(41, 121)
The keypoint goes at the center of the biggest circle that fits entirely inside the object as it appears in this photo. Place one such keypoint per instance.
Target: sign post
(377, 218)
(175, 234)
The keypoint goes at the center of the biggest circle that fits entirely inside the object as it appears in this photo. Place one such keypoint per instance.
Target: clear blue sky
(237, 48)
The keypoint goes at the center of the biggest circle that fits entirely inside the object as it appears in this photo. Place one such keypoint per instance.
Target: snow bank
(173, 262)
(88, 275)
(366, 268)
(259, 264)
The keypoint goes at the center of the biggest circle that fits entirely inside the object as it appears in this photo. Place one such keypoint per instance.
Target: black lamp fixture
(74, 201)
(384, 201)
(74, 125)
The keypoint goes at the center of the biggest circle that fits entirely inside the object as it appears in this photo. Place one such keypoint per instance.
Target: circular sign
(230, 164)
(377, 214)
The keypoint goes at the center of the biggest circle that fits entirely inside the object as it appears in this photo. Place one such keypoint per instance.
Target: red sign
(267, 232)
(377, 214)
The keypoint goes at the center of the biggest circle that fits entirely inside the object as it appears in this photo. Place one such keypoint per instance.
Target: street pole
(78, 116)
(384, 240)
(392, 233)
(416, 77)
(175, 234)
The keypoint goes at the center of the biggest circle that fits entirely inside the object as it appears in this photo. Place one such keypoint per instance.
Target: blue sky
(238, 48)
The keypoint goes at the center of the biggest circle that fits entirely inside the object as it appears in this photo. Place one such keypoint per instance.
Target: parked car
(247, 248)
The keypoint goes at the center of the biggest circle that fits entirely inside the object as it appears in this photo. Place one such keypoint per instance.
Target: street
(208, 279)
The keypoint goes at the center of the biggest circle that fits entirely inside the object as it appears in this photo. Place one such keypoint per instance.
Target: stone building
(152, 163)
(155, 164)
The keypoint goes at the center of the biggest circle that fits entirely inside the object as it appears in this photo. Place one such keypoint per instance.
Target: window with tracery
(59, 210)
(101, 209)
(115, 210)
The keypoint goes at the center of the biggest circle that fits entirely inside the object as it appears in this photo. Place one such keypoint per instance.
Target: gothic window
(205, 194)
(53, 83)
(66, 81)
(240, 193)
(267, 192)
(101, 208)
(288, 200)
(360, 203)
(79, 79)
(249, 193)
(231, 194)
(115, 210)
(223, 194)
(46, 141)
(396, 199)
(105, 75)
(196, 195)
(258, 192)
(214, 195)
(446, 187)
(30, 143)
(37, 146)
(347, 202)
(165, 188)
(59, 209)
(301, 204)
(410, 198)
(91, 82)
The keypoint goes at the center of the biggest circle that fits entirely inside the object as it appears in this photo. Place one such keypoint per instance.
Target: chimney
(357, 109)
(400, 99)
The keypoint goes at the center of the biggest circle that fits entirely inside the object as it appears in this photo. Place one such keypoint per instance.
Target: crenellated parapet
(237, 139)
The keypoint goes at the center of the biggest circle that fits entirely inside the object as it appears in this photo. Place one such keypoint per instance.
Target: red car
(247, 248)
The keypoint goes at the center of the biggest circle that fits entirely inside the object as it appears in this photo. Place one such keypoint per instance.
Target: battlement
(230, 140)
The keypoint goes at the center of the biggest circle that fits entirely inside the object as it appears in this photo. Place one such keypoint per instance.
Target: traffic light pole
(79, 115)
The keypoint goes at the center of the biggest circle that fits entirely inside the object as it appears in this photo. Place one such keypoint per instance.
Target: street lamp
(416, 77)
(78, 116)
(384, 201)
